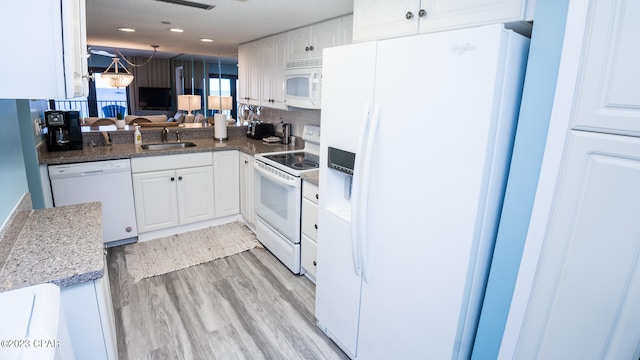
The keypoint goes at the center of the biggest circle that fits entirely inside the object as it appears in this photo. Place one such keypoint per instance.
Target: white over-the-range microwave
(303, 83)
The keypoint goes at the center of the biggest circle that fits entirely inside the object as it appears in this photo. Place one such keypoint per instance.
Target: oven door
(278, 198)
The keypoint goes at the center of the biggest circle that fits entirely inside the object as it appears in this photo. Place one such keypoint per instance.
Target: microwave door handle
(311, 94)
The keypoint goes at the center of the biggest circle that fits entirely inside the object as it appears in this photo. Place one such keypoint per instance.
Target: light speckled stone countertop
(61, 245)
(311, 176)
(126, 151)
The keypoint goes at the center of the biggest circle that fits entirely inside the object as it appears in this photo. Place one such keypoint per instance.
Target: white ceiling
(229, 23)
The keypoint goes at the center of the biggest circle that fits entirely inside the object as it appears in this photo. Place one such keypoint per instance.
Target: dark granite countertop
(61, 245)
(127, 151)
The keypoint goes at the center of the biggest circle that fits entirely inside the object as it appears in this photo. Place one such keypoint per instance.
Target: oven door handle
(289, 181)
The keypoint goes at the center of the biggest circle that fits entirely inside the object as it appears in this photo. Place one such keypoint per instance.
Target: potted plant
(119, 121)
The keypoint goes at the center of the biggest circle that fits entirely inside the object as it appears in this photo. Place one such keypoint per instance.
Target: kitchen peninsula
(63, 246)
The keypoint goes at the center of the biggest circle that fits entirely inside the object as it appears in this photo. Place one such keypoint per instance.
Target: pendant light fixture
(117, 78)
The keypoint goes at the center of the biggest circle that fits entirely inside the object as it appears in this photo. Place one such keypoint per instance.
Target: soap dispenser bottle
(137, 136)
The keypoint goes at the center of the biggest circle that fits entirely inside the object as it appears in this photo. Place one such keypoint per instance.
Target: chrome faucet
(165, 132)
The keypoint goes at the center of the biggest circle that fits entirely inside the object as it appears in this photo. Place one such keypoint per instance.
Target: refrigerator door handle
(356, 196)
(364, 207)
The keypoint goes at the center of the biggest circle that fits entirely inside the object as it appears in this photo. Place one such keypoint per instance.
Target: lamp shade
(188, 102)
(220, 103)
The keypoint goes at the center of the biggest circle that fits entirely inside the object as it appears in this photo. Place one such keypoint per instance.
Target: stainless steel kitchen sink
(167, 146)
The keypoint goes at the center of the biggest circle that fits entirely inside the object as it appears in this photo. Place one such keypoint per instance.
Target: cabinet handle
(317, 196)
(422, 13)
(315, 226)
(409, 15)
(173, 179)
(128, 229)
(314, 263)
(179, 177)
(306, 48)
(246, 161)
(311, 48)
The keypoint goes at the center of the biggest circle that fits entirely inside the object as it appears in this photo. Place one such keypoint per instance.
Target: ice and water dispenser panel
(341, 164)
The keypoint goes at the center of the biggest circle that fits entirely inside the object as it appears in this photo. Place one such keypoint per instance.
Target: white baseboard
(189, 227)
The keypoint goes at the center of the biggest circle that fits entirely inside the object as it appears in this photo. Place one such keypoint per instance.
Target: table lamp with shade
(189, 103)
(220, 103)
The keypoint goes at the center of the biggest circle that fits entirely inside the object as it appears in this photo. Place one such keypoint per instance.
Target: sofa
(153, 118)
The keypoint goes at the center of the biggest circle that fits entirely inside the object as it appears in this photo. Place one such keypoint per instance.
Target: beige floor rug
(171, 253)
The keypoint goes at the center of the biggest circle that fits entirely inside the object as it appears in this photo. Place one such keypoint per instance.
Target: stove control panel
(311, 133)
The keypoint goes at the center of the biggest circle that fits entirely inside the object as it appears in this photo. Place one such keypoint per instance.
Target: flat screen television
(154, 98)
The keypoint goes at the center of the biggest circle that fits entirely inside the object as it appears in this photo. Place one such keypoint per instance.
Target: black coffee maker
(63, 130)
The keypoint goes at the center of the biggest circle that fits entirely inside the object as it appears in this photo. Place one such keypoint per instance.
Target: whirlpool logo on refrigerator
(462, 49)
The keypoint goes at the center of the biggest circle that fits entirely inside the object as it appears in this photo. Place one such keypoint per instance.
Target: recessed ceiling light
(206, 40)
(125, 29)
(176, 30)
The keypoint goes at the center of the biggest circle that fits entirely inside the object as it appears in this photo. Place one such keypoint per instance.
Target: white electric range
(278, 197)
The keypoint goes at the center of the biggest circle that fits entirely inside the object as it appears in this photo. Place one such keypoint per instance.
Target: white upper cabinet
(45, 55)
(249, 66)
(380, 19)
(607, 92)
(309, 41)
(274, 52)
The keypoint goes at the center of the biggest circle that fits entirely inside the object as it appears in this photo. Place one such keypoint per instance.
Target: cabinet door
(156, 200)
(195, 194)
(346, 30)
(379, 19)
(75, 45)
(63, 45)
(266, 56)
(243, 74)
(308, 256)
(246, 187)
(608, 99)
(249, 73)
(226, 182)
(310, 219)
(324, 35)
(280, 46)
(299, 42)
(454, 14)
(587, 286)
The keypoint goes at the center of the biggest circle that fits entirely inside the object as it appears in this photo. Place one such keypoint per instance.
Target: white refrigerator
(426, 123)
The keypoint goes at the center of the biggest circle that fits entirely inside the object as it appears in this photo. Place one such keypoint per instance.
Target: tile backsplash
(298, 118)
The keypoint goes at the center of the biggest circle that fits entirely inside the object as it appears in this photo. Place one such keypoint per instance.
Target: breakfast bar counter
(61, 245)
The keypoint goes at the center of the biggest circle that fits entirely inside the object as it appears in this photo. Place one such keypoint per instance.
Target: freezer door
(348, 77)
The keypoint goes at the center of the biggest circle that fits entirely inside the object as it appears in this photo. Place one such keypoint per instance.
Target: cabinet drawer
(310, 191)
(170, 162)
(310, 219)
(309, 251)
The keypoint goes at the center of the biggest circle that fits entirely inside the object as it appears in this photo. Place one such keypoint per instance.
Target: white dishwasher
(108, 182)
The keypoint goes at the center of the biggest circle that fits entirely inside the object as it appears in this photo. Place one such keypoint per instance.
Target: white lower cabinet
(226, 178)
(172, 190)
(309, 229)
(88, 311)
(246, 188)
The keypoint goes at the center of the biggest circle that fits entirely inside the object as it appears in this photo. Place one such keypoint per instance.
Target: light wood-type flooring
(246, 306)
